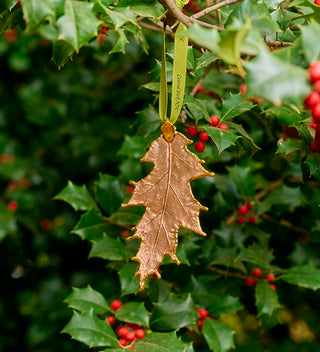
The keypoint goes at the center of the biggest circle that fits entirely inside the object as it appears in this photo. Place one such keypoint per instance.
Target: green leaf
(223, 139)
(234, 106)
(85, 299)
(218, 335)
(232, 41)
(242, 177)
(266, 298)
(77, 196)
(108, 248)
(289, 196)
(224, 305)
(147, 121)
(128, 281)
(237, 127)
(313, 162)
(134, 147)
(305, 276)
(144, 8)
(121, 42)
(162, 342)
(256, 255)
(228, 257)
(91, 226)
(310, 35)
(62, 51)
(133, 312)
(120, 16)
(35, 11)
(173, 313)
(109, 193)
(205, 37)
(205, 60)
(286, 115)
(291, 145)
(92, 331)
(127, 216)
(196, 107)
(275, 80)
(78, 25)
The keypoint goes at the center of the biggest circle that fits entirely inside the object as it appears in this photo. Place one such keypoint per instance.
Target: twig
(277, 43)
(214, 8)
(226, 272)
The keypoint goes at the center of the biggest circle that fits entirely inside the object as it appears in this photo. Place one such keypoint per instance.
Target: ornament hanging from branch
(166, 193)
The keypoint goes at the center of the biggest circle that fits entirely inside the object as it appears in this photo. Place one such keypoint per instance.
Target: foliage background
(79, 123)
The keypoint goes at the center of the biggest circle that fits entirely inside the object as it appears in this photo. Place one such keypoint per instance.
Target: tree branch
(277, 43)
(214, 8)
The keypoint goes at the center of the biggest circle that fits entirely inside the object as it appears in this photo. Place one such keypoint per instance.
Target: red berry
(7, 158)
(200, 324)
(243, 89)
(315, 112)
(317, 2)
(270, 277)
(13, 205)
(125, 233)
(130, 336)
(256, 272)
(111, 320)
(252, 219)
(314, 146)
(140, 334)
(313, 125)
(189, 4)
(133, 326)
(214, 120)
(249, 206)
(123, 342)
(241, 220)
(242, 210)
(199, 147)
(18, 3)
(223, 126)
(123, 332)
(203, 136)
(203, 313)
(118, 329)
(116, 304)
(46, 224)
(199, 89)
(249, 281)
(316, 86)
(311, 100)
(258, 101)
(273, 287)
(130, 189)
(314, 71)
(192, 131)
(11, 36)
(183, 11)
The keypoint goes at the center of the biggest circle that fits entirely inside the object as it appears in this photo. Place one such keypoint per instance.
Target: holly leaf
(92, 331)
(168, 199)
(109, 193)
(173, 313)
(310, 35)
(313, 162)
(218, 335)
(256, 255)
(128, 281)
(144, 8)
(77, 196)
(233, 106)
(224, 305)
(133, 312)
(108, 248)
(86, 299)
(222, 139)
(275, 80)
(305, 276)
(78, 25)
(162, 342)
(290, 146)
(266, 298)
(91, 226)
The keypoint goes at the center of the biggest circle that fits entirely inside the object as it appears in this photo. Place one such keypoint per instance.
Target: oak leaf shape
(166, 193)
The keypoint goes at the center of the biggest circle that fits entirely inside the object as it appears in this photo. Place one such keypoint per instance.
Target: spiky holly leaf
(169, 202)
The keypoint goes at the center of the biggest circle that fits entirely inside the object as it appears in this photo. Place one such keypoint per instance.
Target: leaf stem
(214, 8)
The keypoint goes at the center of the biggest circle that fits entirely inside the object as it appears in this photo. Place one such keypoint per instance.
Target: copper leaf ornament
(166, 193)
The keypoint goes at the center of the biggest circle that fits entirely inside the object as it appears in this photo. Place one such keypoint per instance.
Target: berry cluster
(102, 34)
(312, 102)
(244, 210)
(203, 314)
(192, 131)
(256, 275)
(192, 6)
(128, 333)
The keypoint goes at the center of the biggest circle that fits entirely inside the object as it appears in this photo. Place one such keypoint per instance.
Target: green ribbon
(178, 76)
